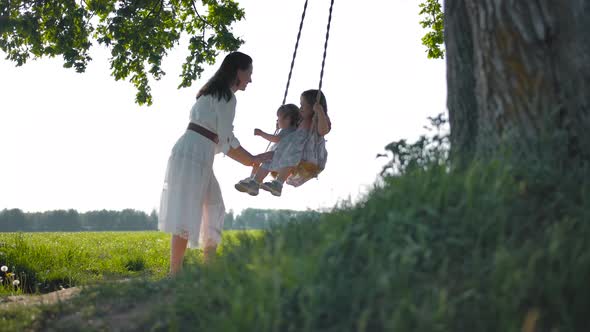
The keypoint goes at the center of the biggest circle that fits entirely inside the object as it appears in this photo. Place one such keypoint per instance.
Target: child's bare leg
(275, 187)
(284, 174)
(255, 169)
(261, 174)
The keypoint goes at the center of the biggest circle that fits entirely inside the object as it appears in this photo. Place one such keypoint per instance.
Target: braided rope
(295, 53)
(318, 97)
(314, 121)
(292, 65)
(325, 51)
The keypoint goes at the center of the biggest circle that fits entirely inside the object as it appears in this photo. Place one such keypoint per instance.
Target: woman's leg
(177, 250)
(212, 222)
(209, 253)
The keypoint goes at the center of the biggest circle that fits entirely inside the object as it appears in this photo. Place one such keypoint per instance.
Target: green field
(44, 262)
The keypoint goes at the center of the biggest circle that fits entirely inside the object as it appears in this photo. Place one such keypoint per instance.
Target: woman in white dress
(191, 206)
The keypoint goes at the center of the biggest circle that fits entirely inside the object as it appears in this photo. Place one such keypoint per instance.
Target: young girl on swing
(305, 146)
(288, 118)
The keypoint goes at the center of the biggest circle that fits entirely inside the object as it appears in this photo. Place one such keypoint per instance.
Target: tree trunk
(530, 73)
(460, 80)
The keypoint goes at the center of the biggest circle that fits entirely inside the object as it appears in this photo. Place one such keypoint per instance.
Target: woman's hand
(257, 132)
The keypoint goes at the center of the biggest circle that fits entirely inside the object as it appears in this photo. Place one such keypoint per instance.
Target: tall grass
(45, 262)
(431, 250)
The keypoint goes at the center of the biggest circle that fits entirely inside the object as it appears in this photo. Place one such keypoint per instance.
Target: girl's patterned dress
(283, 133)
(304, 145)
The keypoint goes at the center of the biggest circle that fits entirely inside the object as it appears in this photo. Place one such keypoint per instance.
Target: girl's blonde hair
(292, 112)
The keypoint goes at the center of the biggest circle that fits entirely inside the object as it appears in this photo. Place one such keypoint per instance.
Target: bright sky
(79, 141)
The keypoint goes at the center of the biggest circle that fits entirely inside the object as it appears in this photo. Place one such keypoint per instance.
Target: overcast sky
(79, 141)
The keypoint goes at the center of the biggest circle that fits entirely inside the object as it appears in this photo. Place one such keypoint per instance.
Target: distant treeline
(263, 218)
(15, 220)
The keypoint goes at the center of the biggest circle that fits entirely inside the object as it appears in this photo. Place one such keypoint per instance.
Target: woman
(191, 206)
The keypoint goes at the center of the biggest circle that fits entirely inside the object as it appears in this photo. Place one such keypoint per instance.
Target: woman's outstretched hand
(257, 132)
(244, 157)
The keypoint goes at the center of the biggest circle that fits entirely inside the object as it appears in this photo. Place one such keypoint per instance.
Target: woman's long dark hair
(220, 84)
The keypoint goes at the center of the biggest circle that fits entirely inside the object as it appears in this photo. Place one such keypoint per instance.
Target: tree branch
(199, 16)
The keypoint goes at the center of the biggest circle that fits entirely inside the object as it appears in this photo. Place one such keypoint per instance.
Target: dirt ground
(49, 298)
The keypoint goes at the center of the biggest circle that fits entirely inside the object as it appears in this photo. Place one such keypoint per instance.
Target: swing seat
(303, 172)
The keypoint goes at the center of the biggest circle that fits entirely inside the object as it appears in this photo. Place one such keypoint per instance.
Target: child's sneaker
(274, 186)
(248, 185)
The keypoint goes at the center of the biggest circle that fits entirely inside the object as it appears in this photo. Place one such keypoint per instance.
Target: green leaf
(433, 22)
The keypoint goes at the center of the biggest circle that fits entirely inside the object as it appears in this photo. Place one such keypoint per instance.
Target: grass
(44, 262)
(47, 261)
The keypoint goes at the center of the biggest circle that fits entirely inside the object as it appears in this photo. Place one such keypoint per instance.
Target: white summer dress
(191, 205)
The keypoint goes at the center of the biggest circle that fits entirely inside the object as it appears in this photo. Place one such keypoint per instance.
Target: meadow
(44, 262)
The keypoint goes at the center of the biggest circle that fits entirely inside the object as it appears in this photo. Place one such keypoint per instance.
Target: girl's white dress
(191, 204)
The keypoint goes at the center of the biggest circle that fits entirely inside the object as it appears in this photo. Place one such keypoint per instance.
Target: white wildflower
(4, 268)
(16, 282)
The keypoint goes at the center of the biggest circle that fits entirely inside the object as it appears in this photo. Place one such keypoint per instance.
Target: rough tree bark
(527, 63)
(460, 80)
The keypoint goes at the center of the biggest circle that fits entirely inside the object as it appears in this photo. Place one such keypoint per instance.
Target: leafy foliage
(139, 34)
(433, 19)
(265, 218)
(425, 152)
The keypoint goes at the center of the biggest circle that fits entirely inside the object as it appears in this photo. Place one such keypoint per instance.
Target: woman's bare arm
(244, 157)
